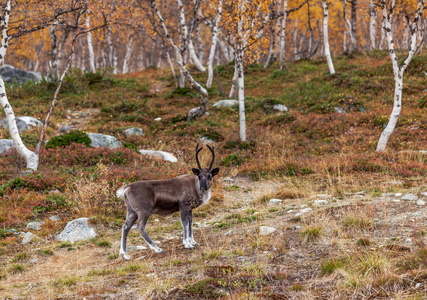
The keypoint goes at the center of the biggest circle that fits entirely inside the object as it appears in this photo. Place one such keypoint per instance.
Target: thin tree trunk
(234, 82)
(398, 69)
(282, 36)
(224, 50)
(326, 37)
(53, 52)
(241, 84)
(353, 38)
(372, 24)
(91, 56)
(4, 23)
(270, 57)
(129, 49)
(278, 23)
(214, 42)
(296, 56)
(168, 57)
(31, 158)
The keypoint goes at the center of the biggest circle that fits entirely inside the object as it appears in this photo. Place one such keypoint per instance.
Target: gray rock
(99, 140)
(23, 123)
(11, 75)
(166, 156)
(410, 197)
(76, 230)
(320, 202)
(274, 201)
(54, 218)
(206, 140)
(387, 194)
(5, 146)
(35, 225)
(64, 128)
(194, 113)
(303, 211)
(297, 227)
(133, 131)
(424, 194)
(225, 103)
(339, 110)
(265, 230)
(417, 213)
(398, 194)
(280, 107)
(83, 115)
(28, 238)
(421, 202)
(34, 260)
(228, 180)
(158, 119)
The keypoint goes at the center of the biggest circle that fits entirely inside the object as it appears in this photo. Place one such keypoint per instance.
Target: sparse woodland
(322, 187)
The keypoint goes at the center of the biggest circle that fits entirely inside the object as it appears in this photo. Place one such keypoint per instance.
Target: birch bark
(214, 43)
(282, 36)
(326, 37)
(129, 49)
(4, 23)
(90, 46)
(372, 24)
(193, 54)
(398, 69)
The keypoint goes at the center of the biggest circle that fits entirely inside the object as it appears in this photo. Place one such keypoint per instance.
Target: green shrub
(131, 146)
(234, 159)
(67, 139)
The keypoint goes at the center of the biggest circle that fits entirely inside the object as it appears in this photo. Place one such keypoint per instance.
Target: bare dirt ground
(233, 260)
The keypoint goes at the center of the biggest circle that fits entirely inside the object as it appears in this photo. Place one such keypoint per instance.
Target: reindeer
(164, 197)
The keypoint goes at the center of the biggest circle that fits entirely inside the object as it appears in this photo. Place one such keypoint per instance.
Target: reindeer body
(164, 197)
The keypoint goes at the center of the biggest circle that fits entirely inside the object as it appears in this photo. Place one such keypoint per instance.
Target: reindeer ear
(215, 172)
(196, 171)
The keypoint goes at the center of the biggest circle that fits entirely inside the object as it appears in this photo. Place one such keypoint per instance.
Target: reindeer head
(205, 174)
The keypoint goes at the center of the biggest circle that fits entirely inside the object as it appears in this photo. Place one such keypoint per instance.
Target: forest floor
(341, 230)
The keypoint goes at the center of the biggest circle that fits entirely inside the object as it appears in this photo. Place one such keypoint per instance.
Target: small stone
(320, 202)
(141, 248)
(99, 140)
(76, 230)
(421, 202)
(54, 218)
(303, 205)
(157, 242)
(303, 211)
(256, 213)
(28, 238)
(387, 194)
(417, 285)
(398, 194)
(228, 180)
(274, 201)
(156, 220)
(225, 103)
(64, 128)
(206, 140)
(158, 119)
(34, 260)
(409, 241)
(280, 107)
(160, 154)
(6, 145)
(339, 110)
(424, 194)
(410, 197)
(133, 131)
(417, 213)
(297, 227)
(11, 230)
(83, 115)
(265, 230)
(228, 232)
(130, 248)
(35, 225)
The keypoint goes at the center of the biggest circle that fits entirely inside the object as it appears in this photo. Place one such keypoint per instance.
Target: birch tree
(398, 69)
(372, 23)
(215, 30)
(326, 37)
(350, 29)
(91, 55)
(129, 49)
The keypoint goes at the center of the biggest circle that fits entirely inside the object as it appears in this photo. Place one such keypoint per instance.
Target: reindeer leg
(191, 238)
(143, 218)
(185, 221)
(130, 220)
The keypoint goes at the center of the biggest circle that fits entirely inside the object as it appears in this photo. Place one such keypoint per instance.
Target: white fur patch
(206, 196)
(121, 192)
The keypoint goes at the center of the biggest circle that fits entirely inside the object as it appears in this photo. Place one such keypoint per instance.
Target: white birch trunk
(241, 85)
(372, 24)
(168, 57)
(115, 60)
(398, 70)
(326, 37)
(214, 42)
(4, 23)
(350, 30)
(282, 36)
(31, 158)
(129, 49)
(234, 82)
(224, 50)
(193, 55)
(91, 55)
(53, 51)
(296, 56)
(278, 23)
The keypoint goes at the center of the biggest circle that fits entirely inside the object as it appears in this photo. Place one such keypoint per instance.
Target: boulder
(410, 197)
(65, 129)
(303, 211)
(99, 140)
(225, 103)
(28, 238)
(5, 146)
(76, 230)
(320, 202)
(274, 201)
(14, 75)
(206, 140)
(23, 123)
(166, 156)
(280, 107)
(265, 230)
(35, 225)
(133, 131)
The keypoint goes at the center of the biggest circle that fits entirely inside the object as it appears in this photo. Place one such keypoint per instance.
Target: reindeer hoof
(194, 243)
(126, 257)
(158, 250)
(189, 247)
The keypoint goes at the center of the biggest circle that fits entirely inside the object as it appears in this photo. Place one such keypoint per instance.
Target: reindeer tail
(121, 191)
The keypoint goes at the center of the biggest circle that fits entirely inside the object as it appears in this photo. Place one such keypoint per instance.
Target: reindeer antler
(212, 149)
(197, 155)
